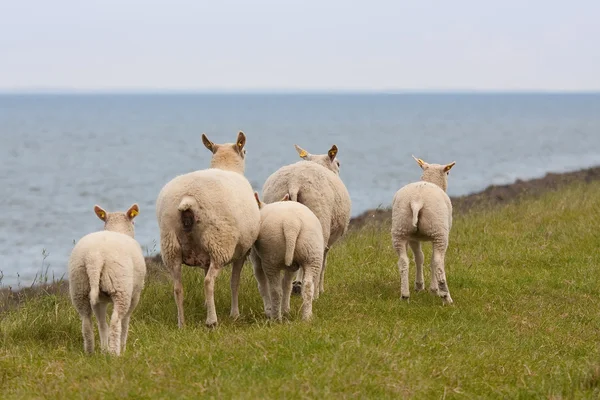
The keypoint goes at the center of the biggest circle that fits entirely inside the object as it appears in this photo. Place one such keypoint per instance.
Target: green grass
(525, 324)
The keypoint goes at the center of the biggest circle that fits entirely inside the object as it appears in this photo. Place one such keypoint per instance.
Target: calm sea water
(61, 154)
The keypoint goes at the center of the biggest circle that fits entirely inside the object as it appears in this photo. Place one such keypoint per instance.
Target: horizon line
(133, 91)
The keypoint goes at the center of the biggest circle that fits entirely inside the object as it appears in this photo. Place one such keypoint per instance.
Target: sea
(60, 154)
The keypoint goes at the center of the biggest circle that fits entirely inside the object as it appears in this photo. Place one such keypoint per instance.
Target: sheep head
(328, 160)
(435, 173)
(228, 156)
(119, 221)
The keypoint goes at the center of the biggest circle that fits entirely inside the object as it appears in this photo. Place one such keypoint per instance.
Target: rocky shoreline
(495, 194)
(492, 196)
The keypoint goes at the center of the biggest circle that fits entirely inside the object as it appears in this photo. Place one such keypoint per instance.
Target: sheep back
(433, 207)
(319, 189)
(226, 218)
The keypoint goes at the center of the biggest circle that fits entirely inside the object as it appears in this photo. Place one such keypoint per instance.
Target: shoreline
(492, 196)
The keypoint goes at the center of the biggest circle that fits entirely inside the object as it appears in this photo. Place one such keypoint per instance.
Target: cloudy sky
(300, 45)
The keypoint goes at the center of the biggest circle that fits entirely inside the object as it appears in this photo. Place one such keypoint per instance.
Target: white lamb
(290, 238)
(104, 267)
(422, 211)
(315, 182)
(209, 219)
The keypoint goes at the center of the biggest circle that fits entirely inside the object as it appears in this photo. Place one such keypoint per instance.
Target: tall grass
(525, 324)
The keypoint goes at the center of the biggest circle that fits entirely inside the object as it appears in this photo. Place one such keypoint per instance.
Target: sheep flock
(211, 218)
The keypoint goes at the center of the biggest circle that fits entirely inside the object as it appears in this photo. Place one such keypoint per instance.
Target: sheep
(107, 267)
(314, 182)
(422, 211)
(290, 238)
(209, 219)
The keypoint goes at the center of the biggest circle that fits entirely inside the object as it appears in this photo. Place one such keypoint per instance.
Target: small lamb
(290, 238)
(315, 182)
(422, 211)
(209, 219)
(107, 267)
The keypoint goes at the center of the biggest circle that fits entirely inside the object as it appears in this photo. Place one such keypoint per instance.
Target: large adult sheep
(315, 182)
(209, 219)
(104, 267)
(290, 238)
(422, 211)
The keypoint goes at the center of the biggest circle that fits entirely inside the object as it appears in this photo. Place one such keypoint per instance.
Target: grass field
(525, 324)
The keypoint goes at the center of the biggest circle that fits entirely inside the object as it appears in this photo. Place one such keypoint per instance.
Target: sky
(336, 45)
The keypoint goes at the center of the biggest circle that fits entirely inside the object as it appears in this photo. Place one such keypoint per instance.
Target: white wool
(290, 238)
(315, 182)
(422, 211)
(209, 219)
(107, 267)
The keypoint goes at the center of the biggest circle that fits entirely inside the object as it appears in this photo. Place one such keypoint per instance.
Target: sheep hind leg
(288, 277)
(121, 304)
(403, 268)
(438, 272)
(236, 270)
(171, 255)
(308, 290)
(415, 246)
(209, 293)
(125, 321)
(100, 312)
(321, 279)
(87, 327)
(275, 288)
(261, 280)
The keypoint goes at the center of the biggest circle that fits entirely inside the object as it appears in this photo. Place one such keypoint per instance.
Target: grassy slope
(526, 323)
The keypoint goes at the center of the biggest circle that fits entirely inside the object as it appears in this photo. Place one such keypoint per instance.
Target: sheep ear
(332, 152)
(133, 211)
(241, 140)
(100, 212)
(257, 200)
(420, 162)
(301, 152)
(208, 144)
(449, 166)
(286, 197)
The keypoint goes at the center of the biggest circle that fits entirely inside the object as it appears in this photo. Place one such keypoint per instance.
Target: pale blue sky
(305, 45)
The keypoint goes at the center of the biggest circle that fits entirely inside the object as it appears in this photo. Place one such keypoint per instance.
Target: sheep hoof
(447, 300)
(234, 315)
(297, 287)
(407, 298)
(433, 291)
(211, 324)
(419, 286)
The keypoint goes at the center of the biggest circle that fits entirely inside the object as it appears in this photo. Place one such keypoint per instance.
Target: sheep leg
(209, 293)
(274, 277)
(261, 280)
(87, 327)
(125, 321)
(121, 304)
(236, 270)
(171, 255)
(288, 277)
(308, 290)
(322, 275)
(439, 254)
(403, 268)
(419, 259)
(100, 312)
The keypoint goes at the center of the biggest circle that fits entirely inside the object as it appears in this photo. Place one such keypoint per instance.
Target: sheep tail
(186, 208)
(294, 193)
(290, 233)
(93, 271)
(415, 207)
